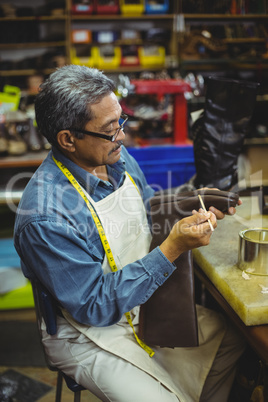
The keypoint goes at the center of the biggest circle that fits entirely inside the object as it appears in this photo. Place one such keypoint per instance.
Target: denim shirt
(58, 243)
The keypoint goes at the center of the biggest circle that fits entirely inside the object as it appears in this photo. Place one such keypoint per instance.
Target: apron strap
(103, 239)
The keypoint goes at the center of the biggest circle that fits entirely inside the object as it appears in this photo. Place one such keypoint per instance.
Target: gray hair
(65, 97)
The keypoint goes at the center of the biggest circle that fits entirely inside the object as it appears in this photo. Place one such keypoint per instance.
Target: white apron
(182, 370)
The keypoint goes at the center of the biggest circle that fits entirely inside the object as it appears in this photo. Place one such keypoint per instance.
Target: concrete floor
(48, 377)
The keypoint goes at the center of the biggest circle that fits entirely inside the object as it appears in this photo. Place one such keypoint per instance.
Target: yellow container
(152, 56)
(110, 59)
(9, 98)
(132, 9)
(17, 298)
(89, 61)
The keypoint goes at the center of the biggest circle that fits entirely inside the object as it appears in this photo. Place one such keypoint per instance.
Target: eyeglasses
(112, 138)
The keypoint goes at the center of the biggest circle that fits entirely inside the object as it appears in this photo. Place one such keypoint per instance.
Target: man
(82, 218)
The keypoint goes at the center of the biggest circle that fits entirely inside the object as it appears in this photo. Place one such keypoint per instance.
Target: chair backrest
(45, 307)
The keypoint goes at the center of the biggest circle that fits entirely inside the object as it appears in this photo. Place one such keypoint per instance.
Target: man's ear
(66, 140)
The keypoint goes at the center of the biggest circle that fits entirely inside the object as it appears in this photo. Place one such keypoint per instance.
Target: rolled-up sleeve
(71, 268)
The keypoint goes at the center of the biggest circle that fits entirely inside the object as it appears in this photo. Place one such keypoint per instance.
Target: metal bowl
(253, 251)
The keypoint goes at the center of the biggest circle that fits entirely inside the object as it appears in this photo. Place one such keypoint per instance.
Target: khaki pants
(111, 378)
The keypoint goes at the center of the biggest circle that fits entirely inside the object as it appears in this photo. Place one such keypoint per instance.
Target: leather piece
(178, 206)
(168, 318)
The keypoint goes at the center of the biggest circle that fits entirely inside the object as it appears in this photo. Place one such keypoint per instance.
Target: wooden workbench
(219, 262)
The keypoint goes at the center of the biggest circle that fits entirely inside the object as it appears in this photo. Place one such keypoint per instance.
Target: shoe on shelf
(16, 144)
(32, 138)
(45, 144)
(16, 123)
(3, 140)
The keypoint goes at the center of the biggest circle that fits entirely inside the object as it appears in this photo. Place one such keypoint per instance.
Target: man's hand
(221, 215)
(191, 232)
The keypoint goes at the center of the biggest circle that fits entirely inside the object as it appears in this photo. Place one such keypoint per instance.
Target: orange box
(81, 36)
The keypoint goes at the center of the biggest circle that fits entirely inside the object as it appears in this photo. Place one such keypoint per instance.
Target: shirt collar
(88, 180)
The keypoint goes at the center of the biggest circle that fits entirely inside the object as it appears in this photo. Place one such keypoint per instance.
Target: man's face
(91, 152)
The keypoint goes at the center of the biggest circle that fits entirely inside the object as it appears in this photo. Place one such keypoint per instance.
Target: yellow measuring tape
(103, 238)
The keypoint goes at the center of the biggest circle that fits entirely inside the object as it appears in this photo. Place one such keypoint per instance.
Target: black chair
(45, 308)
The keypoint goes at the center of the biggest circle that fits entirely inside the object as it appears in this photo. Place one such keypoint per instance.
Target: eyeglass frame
(111, 138)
